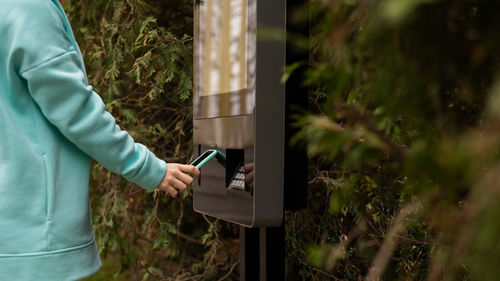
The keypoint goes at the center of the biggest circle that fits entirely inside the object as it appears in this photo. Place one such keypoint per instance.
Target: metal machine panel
(239, 109)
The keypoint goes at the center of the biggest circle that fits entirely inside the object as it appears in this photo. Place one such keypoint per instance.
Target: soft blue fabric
(51, 123)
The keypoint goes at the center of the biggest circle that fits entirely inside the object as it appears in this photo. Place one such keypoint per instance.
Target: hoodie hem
(46, 253)
(69, 264)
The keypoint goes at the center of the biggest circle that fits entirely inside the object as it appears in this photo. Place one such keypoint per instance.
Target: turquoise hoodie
(51, 123)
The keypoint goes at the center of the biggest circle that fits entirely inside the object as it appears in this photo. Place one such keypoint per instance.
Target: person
(51, 124)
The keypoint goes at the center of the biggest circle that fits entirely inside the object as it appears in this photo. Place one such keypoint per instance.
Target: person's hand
(176, 179)
(248, 168)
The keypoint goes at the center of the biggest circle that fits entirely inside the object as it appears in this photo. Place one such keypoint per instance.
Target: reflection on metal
(238, 178)
(224, 37)
(214, 198)
(230, 132)
(205, 59)
(227, 104)
(225, 52)
(225, 57)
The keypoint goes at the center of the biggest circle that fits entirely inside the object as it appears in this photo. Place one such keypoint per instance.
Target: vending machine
(239, 109)
(242, 118)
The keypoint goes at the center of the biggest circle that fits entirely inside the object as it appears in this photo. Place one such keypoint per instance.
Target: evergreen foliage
(138, 56)
(403, 135)
(402, 132)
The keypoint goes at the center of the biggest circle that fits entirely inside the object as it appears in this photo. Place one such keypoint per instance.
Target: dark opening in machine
(235, 172)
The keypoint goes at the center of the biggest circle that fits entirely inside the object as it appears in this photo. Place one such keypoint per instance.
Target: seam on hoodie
(68, 31)
(21, 72)
(49, 189)
(63, 24)
(47, 253)
(62, 30)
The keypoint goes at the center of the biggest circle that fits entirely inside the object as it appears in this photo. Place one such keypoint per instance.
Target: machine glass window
(223, 38)
(224, 53)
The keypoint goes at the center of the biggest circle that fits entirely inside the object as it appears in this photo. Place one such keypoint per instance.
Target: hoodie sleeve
(58, 84)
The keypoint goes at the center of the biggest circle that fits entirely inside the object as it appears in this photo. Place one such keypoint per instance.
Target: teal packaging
(206, 156)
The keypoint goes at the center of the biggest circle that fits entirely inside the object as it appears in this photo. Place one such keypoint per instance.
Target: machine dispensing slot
(235, 173)
(206, 156)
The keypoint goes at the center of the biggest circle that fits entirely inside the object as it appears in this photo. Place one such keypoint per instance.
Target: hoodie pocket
(49, 188)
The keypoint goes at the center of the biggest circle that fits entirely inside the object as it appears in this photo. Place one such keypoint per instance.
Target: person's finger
(185, 178)
(190, 169)
(171, 190)
(249, 172)
(197, 172)
(177, 184)
(249, 177)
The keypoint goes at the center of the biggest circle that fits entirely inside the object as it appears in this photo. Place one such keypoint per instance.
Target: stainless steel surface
(213, 198)
(232, 118)
(227, 132)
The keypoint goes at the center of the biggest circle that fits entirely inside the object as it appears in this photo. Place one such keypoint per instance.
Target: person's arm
(59, 86)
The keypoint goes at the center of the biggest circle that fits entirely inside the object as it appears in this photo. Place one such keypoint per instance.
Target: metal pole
(249, 254)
